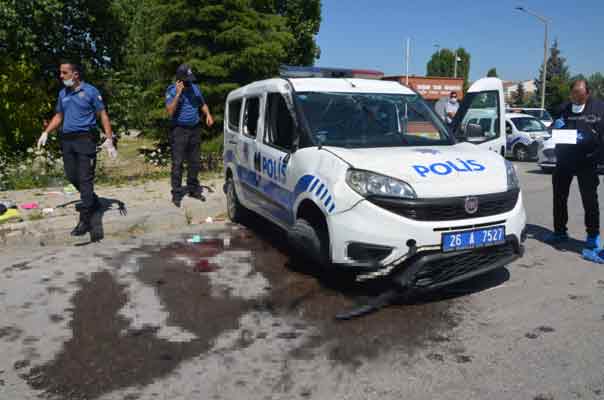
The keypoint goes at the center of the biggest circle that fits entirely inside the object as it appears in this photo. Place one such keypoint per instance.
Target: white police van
(364, 176)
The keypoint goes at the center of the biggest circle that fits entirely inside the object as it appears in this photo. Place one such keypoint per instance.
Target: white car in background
(523, 135)
(546, 156)
(539, 113)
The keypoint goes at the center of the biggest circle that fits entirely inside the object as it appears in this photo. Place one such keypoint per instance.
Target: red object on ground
(205, 266)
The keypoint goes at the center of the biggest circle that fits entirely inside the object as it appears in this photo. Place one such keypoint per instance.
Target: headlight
(368, 183)
(513, 182)
(533, 136)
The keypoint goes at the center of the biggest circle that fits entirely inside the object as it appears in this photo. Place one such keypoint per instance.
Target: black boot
(83, 226)
(197, 194)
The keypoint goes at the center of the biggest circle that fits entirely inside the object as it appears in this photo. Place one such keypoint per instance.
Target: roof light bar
(288, 71)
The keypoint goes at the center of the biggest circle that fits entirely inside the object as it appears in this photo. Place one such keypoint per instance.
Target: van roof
(518, 115)
(340, 85)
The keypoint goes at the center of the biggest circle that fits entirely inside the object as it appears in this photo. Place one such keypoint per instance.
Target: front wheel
(521, 153)
(309, 242)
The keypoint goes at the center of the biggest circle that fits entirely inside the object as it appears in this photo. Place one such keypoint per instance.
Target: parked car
(523, 133)
(539, 113)
(546, 156)
(363, 176)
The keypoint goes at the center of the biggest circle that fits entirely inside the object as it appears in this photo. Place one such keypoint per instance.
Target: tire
(236, 212)
(521, 153)
(309, 242)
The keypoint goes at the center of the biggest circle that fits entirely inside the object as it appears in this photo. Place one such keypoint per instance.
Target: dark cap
(184, 73)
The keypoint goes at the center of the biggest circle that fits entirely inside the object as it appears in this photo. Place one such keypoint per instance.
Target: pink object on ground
(29, 206)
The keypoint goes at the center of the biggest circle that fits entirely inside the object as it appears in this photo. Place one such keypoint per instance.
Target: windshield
(540, 114)
(527, 124)
(361, 120)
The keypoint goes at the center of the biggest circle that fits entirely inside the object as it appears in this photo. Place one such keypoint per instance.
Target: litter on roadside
(8, 203)
(69, 189)
(48, 211)
(10, 215)
(195, 239)
(29, 206)
(226, 242)
(209, 220)
(204, 266)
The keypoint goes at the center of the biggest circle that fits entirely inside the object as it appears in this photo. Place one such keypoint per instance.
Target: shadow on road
(539, 233)
(361, 292)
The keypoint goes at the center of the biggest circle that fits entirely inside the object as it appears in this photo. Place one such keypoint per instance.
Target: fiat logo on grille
(471, 205)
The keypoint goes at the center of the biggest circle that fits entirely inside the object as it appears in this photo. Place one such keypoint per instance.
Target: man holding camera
(184, 102)
(78, 107)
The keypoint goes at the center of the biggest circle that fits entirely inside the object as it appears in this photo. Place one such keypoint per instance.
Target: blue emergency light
(289, 71)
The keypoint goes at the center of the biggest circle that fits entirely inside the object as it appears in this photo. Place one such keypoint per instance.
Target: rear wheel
(521, 152)
(235, 210)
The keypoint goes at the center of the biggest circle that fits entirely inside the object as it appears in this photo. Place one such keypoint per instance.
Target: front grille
(443, 269)
(449, 208)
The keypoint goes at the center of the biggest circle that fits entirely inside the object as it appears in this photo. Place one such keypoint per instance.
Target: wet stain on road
(106, 354)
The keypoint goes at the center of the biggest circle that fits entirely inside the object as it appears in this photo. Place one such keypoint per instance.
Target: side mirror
(474, 131)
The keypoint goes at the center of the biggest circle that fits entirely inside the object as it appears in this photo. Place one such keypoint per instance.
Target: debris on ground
(195, 239)
(10, 215)
(29, 206)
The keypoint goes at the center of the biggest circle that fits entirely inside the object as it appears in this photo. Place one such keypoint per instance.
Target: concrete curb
(138, 220)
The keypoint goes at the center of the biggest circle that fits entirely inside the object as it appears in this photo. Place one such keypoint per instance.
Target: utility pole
(407, 62)
(544, 72)
(455, 64)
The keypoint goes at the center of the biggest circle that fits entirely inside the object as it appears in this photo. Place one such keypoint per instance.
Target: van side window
(250, 116)
(508, 128)
(279, 123)
(234, 113)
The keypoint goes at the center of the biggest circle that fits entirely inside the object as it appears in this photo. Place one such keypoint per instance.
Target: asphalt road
(155, 317)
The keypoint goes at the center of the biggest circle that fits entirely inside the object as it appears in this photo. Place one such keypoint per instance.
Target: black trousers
(79, 163)
(588, 186)
(186, 147)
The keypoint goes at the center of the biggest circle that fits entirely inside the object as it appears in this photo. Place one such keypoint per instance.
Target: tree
(36, 34)
(442, 63)
(596, 85)
(303, 20)
(492, 73)
(557, 79)
(236, 45)
(519, 96)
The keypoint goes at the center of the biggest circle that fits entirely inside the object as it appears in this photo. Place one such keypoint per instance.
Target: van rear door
(483, 111)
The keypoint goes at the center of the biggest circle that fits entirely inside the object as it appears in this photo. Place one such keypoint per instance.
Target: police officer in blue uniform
(585, 115)
(184, 101)
(78, 106)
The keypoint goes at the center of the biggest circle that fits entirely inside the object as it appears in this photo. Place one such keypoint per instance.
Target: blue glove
(559, 123)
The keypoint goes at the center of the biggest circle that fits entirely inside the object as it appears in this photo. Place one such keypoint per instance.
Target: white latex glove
(43, 139)
(111, 150)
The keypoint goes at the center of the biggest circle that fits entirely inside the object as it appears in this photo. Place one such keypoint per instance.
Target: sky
(371, 34)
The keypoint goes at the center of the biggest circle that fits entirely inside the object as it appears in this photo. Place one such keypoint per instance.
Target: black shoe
(197, 195)
(176, 201)
(81, 229)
